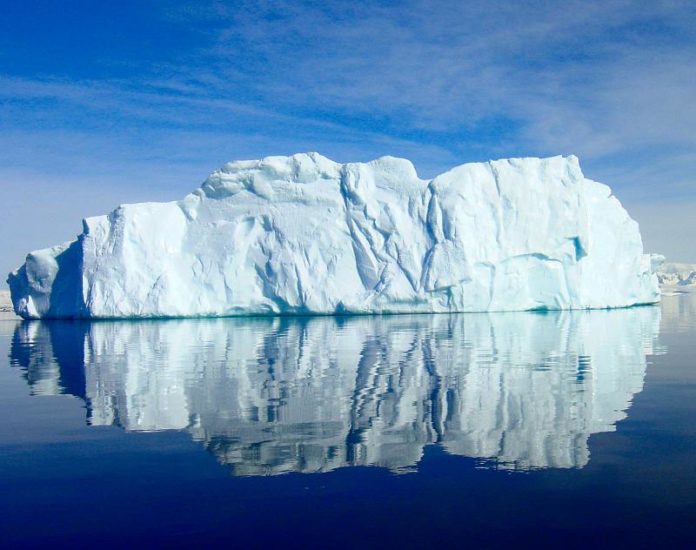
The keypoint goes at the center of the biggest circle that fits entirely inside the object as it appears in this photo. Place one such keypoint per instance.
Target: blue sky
(103, 103)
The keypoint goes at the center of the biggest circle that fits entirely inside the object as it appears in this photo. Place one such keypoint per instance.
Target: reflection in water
(268, 396)
(678, 309)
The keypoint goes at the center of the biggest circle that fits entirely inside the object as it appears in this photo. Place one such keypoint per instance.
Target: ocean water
(485, 430)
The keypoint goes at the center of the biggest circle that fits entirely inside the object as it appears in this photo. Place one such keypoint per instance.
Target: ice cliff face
(304, 234)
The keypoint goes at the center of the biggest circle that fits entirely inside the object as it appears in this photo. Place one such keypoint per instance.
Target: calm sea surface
(570, 428)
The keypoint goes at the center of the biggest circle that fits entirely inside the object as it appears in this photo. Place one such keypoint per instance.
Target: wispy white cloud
(601, 79)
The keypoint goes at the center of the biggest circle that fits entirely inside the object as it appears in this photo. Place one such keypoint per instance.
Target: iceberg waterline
(304, 234)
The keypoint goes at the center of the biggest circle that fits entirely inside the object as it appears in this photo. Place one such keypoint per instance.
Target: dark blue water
(572, 429)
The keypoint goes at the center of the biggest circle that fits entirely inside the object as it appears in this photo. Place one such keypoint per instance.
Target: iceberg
(677, 274)
(306, 235)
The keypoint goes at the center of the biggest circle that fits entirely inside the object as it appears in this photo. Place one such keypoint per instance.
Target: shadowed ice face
(270, 396)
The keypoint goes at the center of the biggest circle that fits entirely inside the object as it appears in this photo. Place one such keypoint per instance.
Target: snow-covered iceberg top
(304, 234)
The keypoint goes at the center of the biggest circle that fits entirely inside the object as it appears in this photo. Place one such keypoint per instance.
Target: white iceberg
(304, 234)
(677, 274)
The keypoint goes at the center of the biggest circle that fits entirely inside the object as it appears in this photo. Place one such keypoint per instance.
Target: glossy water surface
(481, 429)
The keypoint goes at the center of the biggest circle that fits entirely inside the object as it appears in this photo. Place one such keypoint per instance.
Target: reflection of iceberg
(268, 396)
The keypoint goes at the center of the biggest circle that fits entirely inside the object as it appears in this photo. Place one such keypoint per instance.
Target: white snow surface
(307, 235)
(677, 274)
